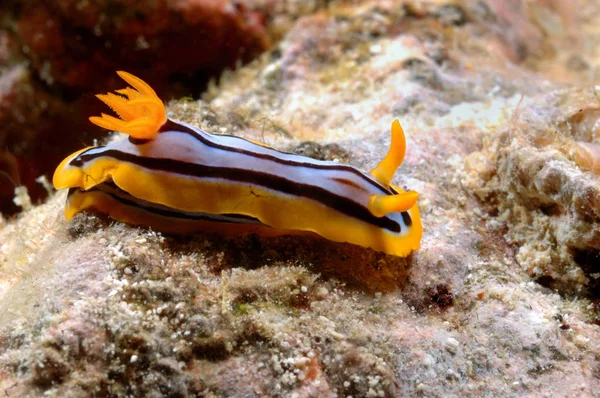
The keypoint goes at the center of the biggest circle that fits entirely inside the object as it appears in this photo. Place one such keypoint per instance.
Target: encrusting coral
(587, 156)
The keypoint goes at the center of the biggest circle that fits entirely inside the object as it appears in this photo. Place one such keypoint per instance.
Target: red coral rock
(79, 46)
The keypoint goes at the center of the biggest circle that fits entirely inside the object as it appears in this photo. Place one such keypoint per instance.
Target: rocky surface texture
(501, 114)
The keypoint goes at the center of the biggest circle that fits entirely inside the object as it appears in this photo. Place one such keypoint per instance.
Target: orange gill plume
(140, 110)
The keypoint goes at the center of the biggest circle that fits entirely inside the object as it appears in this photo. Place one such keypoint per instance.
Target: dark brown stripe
(170, 125)
(406, 218)
(348, 183)
(166, 211)
(270, 181)
(138, 141)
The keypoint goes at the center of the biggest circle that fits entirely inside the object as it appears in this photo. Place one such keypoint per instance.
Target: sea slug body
(175, 177)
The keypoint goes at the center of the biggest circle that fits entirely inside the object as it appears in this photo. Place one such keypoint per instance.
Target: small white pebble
(581, 341)
(133, 359)
(304, 289)
(375, 49)
(452, 345)
(428, 360)
(301, 362)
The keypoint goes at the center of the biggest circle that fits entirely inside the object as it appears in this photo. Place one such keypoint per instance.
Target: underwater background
(501, 111)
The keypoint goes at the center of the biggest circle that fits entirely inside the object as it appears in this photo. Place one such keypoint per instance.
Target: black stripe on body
(170, 125)
(165, 211)
(197, 134)
(269, 181)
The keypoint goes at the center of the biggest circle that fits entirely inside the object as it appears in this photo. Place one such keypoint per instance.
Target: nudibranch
(174, 177)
